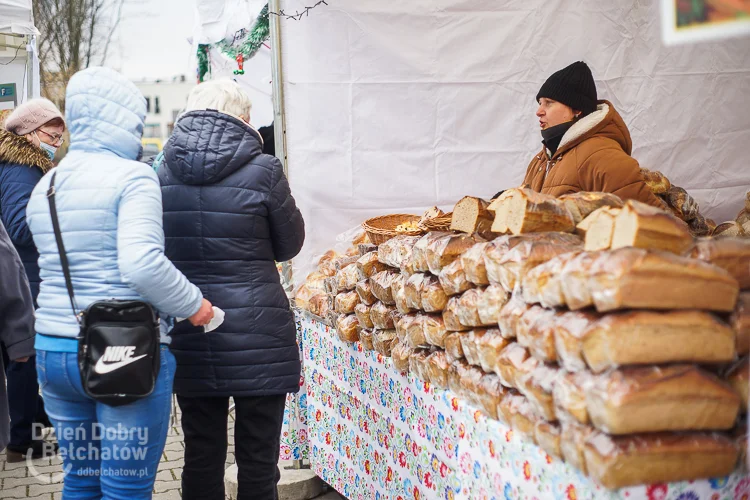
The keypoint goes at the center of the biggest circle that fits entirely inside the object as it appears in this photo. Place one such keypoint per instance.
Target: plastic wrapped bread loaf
(394, 251)
(537, 385)
(365, 293)
(643, 226)
(415, 332)
(569, 330)
(453, 346)
(413, 290)
(471, 377)
(543, 284)
(437, 366)
(575, 280)
(400, 354)
(369, 265)
(366, 339)
(573, 438)
(489, 393)
(535, 334)
(656, 181)
(569, 396)
(651, 337)
(433, 297)
(319, 305)
(632, 278)
(346, 302)
(347, 278)
(363, 316)
(740, 435)
(584, 203)
(490, 303)
(347, 327)
(447, 249)
(488, 348)
(495, 251)
(532, 212)
(472, 263)
(453, 279)
(383, 316)
(509, 405)
(467, 312)
(620, 461)
(325, 264)
(683, 203)
(418, 363)
(740, 321)
(399, 294)
(418, 260)
(524, 420)
(653, 399)
(434, 330)
(730, 254)
(509, 363)
(469, 345)
(450, 316)
(381, 285)
(547, 436)
(455, 372)
(510, 314)
(737, 376)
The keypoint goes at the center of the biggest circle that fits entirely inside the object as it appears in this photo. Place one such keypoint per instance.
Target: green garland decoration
(203, 66)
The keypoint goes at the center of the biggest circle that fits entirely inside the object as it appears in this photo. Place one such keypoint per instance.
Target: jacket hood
(17, 149)
(105, 113)
(208, 145)
(604, 122)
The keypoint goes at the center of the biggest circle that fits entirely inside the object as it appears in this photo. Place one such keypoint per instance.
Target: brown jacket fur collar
(17, 149)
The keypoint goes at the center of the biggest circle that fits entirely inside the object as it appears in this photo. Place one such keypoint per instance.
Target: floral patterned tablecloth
(376, 434)
(294, 444)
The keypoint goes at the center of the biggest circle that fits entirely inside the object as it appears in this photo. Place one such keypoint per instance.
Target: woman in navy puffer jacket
(229, 216)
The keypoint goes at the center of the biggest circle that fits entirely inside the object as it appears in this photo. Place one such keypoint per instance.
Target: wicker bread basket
(442, 223)
(383, 228)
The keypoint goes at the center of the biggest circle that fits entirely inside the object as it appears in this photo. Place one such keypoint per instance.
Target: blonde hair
(222, 95)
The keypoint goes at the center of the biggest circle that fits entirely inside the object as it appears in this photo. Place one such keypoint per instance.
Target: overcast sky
(152, 41)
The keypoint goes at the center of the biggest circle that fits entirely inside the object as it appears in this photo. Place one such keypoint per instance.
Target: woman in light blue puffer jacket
(110, 212)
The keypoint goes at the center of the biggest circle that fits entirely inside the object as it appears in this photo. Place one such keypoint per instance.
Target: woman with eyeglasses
(28, 143)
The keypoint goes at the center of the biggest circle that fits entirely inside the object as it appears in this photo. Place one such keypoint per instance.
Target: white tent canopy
(16, 17)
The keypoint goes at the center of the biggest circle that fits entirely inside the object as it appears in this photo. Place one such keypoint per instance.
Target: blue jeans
(108, 452)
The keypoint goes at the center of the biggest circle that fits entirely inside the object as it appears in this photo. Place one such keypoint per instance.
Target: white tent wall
(395, 106)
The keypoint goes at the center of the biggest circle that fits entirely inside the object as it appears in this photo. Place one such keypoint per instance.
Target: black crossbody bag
(118, 344)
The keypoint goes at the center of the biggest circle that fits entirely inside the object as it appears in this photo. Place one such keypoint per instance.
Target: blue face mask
(50, 150)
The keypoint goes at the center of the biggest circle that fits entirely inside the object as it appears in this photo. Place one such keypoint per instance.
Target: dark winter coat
(228, 217)
(21, 166)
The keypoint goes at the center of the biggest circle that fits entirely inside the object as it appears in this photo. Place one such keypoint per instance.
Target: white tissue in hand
(216, 321)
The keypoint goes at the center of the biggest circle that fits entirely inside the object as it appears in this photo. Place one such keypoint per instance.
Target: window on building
(152, 131)
(148, 105)
(156, 105)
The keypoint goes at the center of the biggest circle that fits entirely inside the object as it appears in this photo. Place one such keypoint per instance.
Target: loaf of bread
(547, 436)
(418, 259)
(491, 302)
(347, 278)
(602, 220)
(509, 405)
(536, 332)
(740, 321)
(365, 248)
(488, 348)
(453, 278)
(537, 385)
(582, 204)
(399, 294)
(574, 280)
(495, 252)
(737, 376)
(326, 264)
(394, 251)
(653, 399)
(400, 354)
(524, 420)
(510, 315)
(453, 346)
(467, 312)
(434, 330)
(472, 263)
(573, 438)
(364, 290)
(569, 329)
(700, 226)
(469, 345)
(381, 284)
(740, 435)
(346, 302)
(471, 377)
(415, 332)
(656, 181)
(456, 370)
(450, 316)
(304, 295)
(366, 337)
(433, 297)
(418, 363)
(413, 290)
(350, 257)
(499, 207)
(369, 265)
(569, 396)
(643, 226)
(730, 254)
(650, 337)
(319, 305)
(743, 219)
(510, 363)
(470, 215)
(631, 278)
(383, 316)
(363, 316)
(543, 284)
(532, 212)
(729, 229)
(489, 393)
(347, 327)
(445, 250)
(680, 200)
(620, 461)
(437, 367)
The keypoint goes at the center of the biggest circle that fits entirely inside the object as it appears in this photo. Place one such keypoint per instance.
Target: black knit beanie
(573, 86)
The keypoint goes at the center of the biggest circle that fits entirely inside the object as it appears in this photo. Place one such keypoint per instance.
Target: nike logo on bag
(115, 357)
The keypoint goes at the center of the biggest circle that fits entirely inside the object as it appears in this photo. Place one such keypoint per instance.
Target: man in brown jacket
(587, 145)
